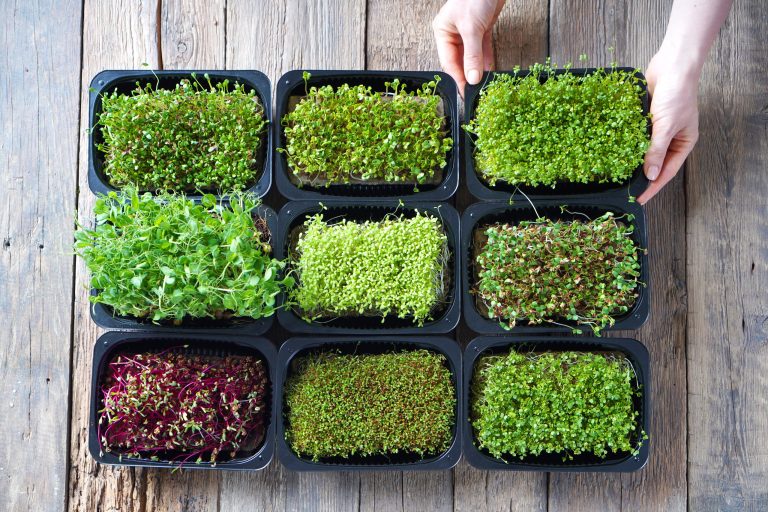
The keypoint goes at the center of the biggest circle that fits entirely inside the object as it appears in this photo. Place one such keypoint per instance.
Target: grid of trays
(364, 334)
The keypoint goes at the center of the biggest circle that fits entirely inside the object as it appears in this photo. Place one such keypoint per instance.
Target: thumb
(657, 151)
(473, 54)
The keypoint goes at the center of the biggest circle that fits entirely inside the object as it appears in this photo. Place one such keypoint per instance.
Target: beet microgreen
(546, 271)
(391, 267)
(355, 134)
(546, 128)
(191, 137)
(177, 407)
(170, 258)
(347, 405)
(554, 402)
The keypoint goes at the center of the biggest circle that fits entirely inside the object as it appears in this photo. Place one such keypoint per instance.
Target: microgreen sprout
(178, 408)
(167, 258)
(372, 404)
(547, 128)
(192, 137)
(353, 134)
(555, 402)
(375, 268)
(545, 271)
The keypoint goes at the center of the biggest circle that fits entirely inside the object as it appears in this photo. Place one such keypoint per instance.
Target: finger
(657, 151)
(449, 52)
(672, 164)
(488, 59)
(473, 54)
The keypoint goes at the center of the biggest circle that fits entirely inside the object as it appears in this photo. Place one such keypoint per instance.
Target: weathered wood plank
(520, 38)
(276, 36)
(123, 35)
(727, 236)
(193, 34)
(608, 30)
(38, 168)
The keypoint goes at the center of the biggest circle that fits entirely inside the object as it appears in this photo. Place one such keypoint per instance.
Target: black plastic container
(502, 191)
(632, 349)
(114, 343)
(104, 316)
(292, 84)
(480, 214)
(293, 214)
(370, 345)
(125, 82)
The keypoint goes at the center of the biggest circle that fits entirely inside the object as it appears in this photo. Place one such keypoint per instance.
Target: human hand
(675, 117)
(464, 36)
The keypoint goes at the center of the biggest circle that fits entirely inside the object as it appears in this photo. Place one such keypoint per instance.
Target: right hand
(464, 36)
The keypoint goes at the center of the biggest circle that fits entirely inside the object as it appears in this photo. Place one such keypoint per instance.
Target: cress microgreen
(355, 134)
(554, 402)
(347, 405)
(376, 268)
(548, 271)
(546, 128)
(167, 258)
(192, 137)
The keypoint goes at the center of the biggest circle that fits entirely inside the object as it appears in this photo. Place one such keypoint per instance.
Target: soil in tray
(441, 300)
(302, 179)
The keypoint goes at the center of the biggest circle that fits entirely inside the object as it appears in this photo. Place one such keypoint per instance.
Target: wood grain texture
(40, 85)
(275, 36)
(192, 34)
(727, 234)
(629, 33)
(123, 35)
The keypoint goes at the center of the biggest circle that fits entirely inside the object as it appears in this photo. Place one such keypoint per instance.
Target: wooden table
(708, 333)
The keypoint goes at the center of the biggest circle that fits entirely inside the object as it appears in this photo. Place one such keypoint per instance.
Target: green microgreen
(395, 266)
(355, 134)
(547, 128)
(544, 271)
(188, 138)
(167, 258)
(359, 405)
(554, 402)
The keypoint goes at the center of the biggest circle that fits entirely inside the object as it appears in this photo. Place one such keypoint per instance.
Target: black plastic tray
(626, 462)
(104, 316)
(502, 191)
(370, 345)
(292, 84)
(482, 213)
(294, 213)
(116, 342)
(125, 82)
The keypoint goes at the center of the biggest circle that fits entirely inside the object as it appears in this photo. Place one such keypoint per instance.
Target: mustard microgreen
(546, 128)
(171, 258)
(176, 407)
(554, 402)
(347, 405)
(355, 134)
(188, 138)
(376, 268)
(546, 271)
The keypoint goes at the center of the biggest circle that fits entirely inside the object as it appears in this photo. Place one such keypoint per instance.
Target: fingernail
(473, 76)
(653, 172)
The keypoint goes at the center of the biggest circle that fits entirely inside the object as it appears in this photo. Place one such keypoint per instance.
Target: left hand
(675, 118)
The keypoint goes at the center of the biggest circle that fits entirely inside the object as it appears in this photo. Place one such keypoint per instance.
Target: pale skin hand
(463, 32)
